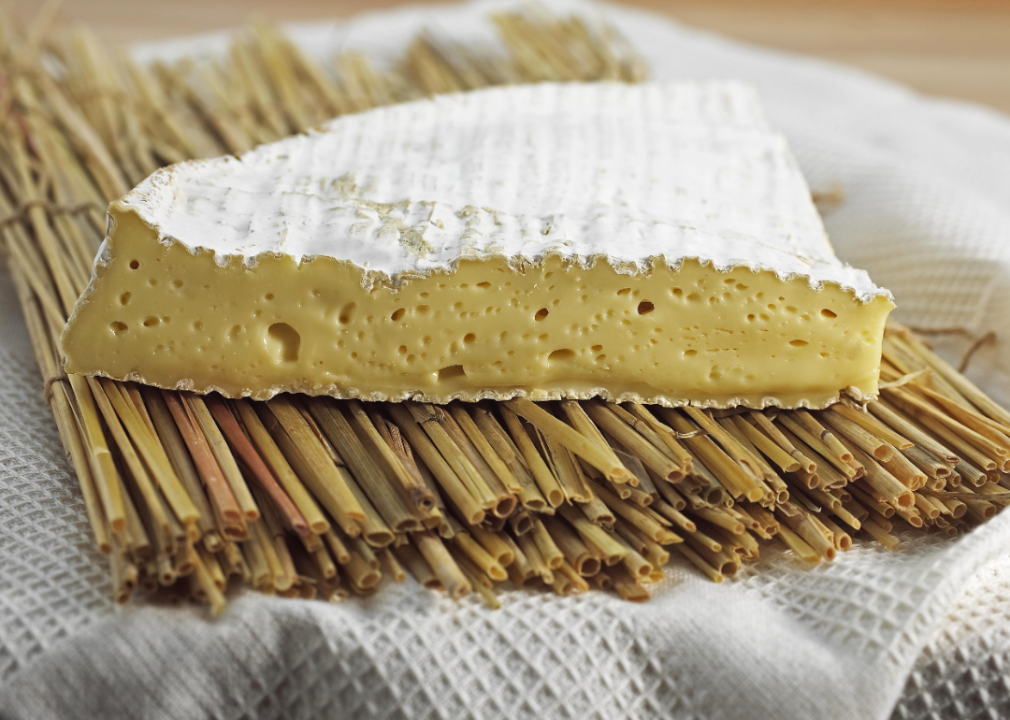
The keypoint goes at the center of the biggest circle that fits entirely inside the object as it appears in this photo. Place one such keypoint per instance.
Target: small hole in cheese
(346, 313)
(484, 284)
(562, 355)
(283, 342)
(453, 371)
(151, 321)
(798, 343)
(469, 338)
(134, 264)
(645, 307)
(397, 314)
(125, 298)
(828, 313)
(541, 314)
(624, 291)
(118, 327)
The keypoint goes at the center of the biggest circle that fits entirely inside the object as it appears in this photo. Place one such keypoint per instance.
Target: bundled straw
(312, 497)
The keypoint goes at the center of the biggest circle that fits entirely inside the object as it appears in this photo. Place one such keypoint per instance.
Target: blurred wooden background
(956, 48)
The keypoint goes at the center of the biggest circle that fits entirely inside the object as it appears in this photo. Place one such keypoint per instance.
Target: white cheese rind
(623, 172)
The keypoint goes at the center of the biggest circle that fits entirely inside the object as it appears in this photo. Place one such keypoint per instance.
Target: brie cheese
(651, 242)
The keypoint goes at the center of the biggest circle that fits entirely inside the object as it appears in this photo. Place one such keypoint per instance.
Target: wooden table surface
(955, 48)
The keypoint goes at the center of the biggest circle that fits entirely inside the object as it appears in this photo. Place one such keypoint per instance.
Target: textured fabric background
(926, 209)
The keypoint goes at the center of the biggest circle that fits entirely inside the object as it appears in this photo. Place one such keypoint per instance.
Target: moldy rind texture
(586, 170)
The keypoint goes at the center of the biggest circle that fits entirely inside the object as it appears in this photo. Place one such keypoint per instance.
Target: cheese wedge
(654, 243)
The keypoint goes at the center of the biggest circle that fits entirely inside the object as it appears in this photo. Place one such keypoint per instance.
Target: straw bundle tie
(20, 213)
(978, 341)
(50, 380)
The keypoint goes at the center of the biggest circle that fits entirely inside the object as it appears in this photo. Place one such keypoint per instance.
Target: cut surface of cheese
(653, 243)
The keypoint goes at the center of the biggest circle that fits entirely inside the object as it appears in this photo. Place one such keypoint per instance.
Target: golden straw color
(313, 497)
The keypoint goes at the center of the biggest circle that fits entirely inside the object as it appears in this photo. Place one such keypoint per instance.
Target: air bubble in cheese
(651, 242)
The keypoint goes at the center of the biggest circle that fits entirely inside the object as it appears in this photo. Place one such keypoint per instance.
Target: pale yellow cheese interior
(163, 315)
